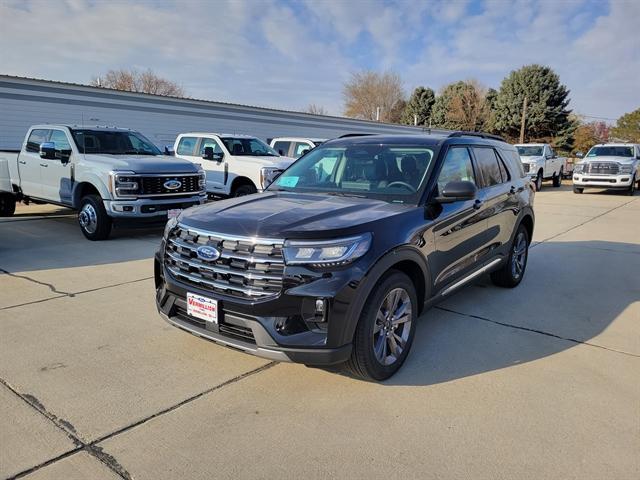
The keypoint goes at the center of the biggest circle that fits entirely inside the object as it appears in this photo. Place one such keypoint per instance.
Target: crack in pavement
(92, 447)
(74, 294)
(45, 284)
(533, 330)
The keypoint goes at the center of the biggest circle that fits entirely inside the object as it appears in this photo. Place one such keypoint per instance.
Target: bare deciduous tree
(367, 93)
(316, 109)
(134, 81)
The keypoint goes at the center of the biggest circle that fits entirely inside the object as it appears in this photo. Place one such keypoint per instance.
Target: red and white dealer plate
(202, 307)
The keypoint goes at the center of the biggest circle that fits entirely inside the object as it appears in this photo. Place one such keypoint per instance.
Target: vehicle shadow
(572, 293)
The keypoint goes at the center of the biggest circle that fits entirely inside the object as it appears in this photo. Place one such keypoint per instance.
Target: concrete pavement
(537, 382)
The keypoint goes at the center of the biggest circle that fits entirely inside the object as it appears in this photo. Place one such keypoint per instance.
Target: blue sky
(288, 54)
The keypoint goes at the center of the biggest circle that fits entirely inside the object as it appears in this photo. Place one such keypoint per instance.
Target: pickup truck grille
(154, 185)
(608, 168)
(247, 268)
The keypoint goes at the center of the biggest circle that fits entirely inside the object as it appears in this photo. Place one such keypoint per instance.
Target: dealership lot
(536, 382)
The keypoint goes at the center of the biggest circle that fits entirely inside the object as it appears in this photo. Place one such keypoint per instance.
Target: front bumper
(150, 207)
(281, 328)
(602, 181)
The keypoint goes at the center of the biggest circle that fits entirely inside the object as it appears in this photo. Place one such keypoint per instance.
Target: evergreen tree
(420, 105)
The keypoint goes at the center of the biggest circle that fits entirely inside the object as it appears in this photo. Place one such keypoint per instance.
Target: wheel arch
(239, 181)
(82, 189)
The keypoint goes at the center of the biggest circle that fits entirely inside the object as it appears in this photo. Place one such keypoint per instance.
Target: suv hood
(143, 163)
(290, 215)
(531, 159)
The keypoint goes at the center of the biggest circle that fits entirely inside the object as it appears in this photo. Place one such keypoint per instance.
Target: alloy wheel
(392, 326)
(519, 255)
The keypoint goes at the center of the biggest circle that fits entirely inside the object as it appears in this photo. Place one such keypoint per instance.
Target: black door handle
(512, 190)
(477, 204)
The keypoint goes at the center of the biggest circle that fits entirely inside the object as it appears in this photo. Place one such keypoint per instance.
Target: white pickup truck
(235, 165)
(105, 173)
(295, 147)
(611, 165)
(541, 163)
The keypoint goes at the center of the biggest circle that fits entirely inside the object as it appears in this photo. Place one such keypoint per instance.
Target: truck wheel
(578, 190)
(93, 219)
(386, 328)
(557, 179)
(538, 182)
(632, 187)
(511, 273)
(243, 190)
(7, 204)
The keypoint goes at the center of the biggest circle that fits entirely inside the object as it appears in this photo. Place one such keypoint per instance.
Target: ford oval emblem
(172, 184)
(208, 253)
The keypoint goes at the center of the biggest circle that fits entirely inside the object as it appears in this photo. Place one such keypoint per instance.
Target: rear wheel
(386, 328)
(7, 204)
(578, 190)
(93, 219)
(511, 273)
(557, 179)
(538, 182)
(244, 189)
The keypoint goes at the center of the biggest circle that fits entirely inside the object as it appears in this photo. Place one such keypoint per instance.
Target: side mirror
(208, 153)
(281, 152)
(579, 155)
(48, 150)
(168, 150)
(457, 192)
(305, 151)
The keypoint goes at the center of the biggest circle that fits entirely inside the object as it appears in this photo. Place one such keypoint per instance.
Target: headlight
(172, 222)
(202, 180)
(124, 184)
(578, 168)
(625, 169)
(326, 253)
(268, 175)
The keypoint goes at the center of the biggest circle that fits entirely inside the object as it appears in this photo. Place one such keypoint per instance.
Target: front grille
(608, 168)
(154, 185)
(247, 268)
(526, 167)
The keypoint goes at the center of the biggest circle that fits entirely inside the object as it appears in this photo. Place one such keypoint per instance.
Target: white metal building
(25, 102)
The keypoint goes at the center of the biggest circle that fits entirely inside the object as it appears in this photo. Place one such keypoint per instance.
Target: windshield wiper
(345, 194)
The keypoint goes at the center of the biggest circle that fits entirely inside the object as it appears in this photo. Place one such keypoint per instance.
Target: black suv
(336, 260)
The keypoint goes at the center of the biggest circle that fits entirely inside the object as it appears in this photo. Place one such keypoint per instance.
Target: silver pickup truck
(107, 174)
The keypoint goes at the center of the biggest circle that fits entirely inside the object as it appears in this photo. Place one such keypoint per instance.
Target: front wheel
(243, 190)
(511, 273)
(578, 190)
(386, 328)
(632, 187)
(538, 182)
(93, 219)
(7, 204)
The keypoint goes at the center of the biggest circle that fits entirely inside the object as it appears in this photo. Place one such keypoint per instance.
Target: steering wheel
(402, 184)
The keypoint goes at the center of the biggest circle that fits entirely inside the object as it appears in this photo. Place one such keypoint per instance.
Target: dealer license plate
(202, 307)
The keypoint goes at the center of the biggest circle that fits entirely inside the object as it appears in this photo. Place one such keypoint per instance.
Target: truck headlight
(268, 175)
(578, 168)
(326, 253)
(625, 169)
(124, 184)
(202, 179)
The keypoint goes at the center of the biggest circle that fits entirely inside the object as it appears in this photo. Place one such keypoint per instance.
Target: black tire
(512, 271)
(578, 190)
(538, 182)
(7, 204)
(93, 219)
(364, 362)
(632, 187)
(557, 179)
(244, 189)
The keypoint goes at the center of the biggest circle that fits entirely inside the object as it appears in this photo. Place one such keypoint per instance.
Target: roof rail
(477, 134)
(347, 135)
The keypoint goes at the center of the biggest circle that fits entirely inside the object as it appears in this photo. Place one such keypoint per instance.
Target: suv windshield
(113, 142)
(530, 151)
(390, 173)
(248, 146)
(611, 151)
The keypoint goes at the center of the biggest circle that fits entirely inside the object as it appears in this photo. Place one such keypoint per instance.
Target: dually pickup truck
(540, 162)
(104, 173)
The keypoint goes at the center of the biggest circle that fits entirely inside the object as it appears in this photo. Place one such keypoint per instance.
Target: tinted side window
(516, 163)
(35, 139)
(282, 147)
(457, 167)
(186, 146)
(489, 166)
(60, 139)
(209, 142)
